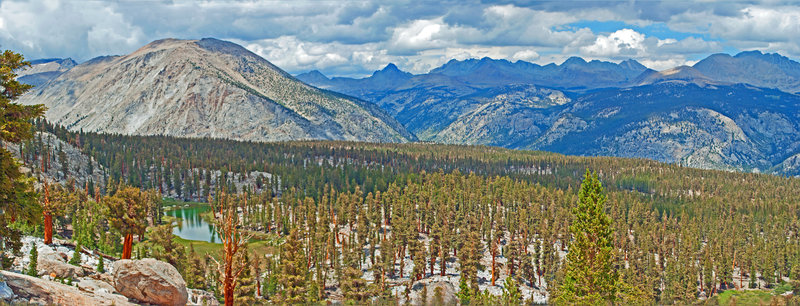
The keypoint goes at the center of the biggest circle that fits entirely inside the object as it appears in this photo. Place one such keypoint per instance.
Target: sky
(355, 38)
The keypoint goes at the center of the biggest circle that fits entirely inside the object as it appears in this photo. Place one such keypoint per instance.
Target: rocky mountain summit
(205, 88)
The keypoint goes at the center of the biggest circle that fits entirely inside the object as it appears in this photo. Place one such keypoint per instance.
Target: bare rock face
(150, 281)
(39, 291)
(50, 262)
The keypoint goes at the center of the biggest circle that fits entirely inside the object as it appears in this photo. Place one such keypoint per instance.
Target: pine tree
(464, 292)
(353, 285)
(47, 211)
(293, 272)
(590, 277)
(33, 262)
(194, 273)
(165, 248)
(417, 249)
(19, 201)
(101, 268)
(470, 257)
(127, 210)
(386, 260)
(528, 270)
(245, 293)
(76, 256)
(511, 292)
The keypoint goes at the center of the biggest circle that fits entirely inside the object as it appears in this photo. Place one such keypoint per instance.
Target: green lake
(190, 225)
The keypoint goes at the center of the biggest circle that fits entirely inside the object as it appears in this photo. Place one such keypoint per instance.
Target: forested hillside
(355, 221)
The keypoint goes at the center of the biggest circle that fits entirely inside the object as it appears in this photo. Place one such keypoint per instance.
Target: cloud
(288, 51)
(356, 37)
(752, 23)
(55, 29)
(420, 35)
(655, 53)
(526, 55)
(622, 42)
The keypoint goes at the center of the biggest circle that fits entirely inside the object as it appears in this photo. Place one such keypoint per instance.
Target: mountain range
(725, 112)
(205, 88)
(737, 112)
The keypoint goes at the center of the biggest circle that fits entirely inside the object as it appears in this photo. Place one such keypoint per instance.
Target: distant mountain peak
(313, 76)
(390, 67)
(574, 60)
(391, 72)
(632, 64)
(750, 53)
(62, 61)
(43, 70)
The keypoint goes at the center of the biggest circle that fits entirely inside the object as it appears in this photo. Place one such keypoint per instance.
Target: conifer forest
(365, 223)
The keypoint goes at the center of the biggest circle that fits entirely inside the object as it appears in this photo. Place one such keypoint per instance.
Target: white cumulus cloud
(621, 42)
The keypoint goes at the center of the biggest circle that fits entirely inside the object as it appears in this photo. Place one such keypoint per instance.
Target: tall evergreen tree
(76, 255)
(245, 292)
(33, 262)
(470, 257)
(353, 285)
(292, 271)
(18, 202)
(590, 277)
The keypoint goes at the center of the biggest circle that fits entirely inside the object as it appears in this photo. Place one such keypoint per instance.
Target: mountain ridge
(688, 115)
(42, 71)
(206, 88)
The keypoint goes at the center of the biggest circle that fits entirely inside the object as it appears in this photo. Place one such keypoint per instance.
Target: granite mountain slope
(206, 88)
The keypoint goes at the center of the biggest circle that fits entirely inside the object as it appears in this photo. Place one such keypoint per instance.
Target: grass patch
(170, 203)
(261, 247)
(756, 297)
(746, 297)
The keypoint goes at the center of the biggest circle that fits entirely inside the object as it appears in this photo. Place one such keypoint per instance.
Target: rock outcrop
(39, 291)
(150, 281)
(202, 298)
(50, 262)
